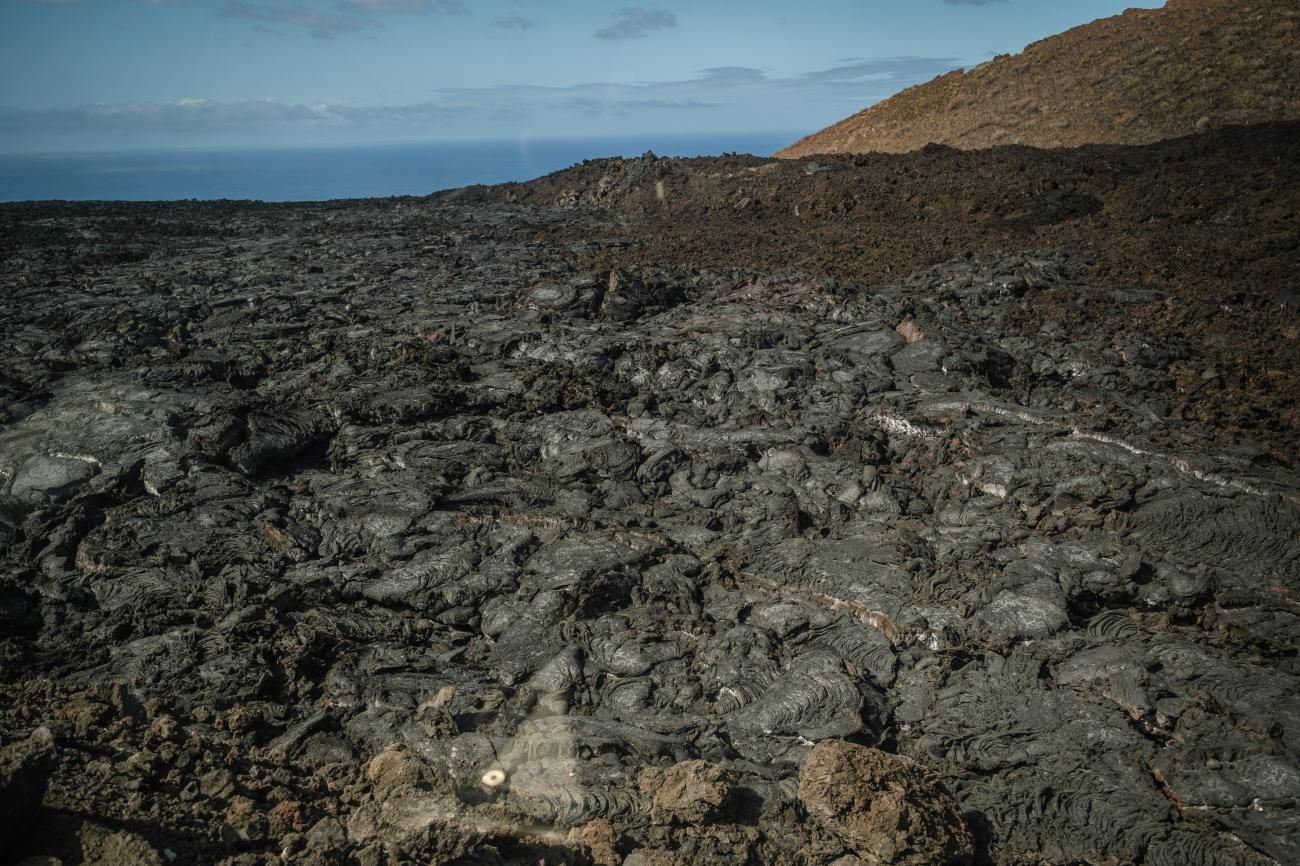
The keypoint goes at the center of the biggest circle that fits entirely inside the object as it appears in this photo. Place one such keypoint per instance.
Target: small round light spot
(493, 779)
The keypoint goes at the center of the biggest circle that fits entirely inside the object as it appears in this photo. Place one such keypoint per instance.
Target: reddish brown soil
(1140, 77)
(1209, 223)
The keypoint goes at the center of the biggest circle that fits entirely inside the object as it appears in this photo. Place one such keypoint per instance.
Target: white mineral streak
(903, 427)
(83, 458)
(1180, 465)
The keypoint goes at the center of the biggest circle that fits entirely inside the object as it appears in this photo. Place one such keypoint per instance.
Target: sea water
(328, 173)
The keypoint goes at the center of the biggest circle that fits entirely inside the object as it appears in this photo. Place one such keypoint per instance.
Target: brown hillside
(1140, 77)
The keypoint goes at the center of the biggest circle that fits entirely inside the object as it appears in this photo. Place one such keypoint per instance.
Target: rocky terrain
(1208, 224)
(938, 508)
(1144, 76)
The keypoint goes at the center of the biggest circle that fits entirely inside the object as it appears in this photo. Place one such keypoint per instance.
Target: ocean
(325, 173)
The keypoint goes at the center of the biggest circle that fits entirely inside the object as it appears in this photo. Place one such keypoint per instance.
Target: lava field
(481, 528)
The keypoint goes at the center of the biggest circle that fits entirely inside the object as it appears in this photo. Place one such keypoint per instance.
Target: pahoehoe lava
(465, 530)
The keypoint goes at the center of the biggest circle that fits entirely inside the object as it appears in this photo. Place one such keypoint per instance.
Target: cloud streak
(514, 22)
(352, 18)
(637, 22)
(203, 115)
(405, 7)
(888, 68)
(320, 25)
(83, 2)
(717, 99)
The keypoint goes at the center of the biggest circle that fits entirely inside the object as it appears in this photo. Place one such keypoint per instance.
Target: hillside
(1136, 78)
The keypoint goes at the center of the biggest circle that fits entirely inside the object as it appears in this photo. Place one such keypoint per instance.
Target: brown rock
(886, 807)
(690, 792)
(164, 727)
(241, 719)
(397, 767)
(290, 813)
(101, 846)
(124, 847)
(600, 840)
(910, 331)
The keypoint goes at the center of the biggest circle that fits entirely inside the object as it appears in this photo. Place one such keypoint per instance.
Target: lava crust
(471, 530)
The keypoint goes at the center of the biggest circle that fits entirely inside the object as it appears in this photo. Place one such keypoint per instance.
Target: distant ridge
(1136, 78)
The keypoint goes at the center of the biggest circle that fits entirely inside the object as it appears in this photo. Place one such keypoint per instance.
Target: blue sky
(131, 74)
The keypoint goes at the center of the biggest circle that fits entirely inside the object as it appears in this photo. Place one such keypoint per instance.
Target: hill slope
(1140, 77)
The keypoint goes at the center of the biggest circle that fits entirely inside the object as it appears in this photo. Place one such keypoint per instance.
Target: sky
(92, 75)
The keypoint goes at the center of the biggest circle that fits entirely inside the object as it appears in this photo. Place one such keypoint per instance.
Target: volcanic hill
(1136, 78)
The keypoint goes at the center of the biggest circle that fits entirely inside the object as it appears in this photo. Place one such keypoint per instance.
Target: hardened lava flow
(461, 530)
